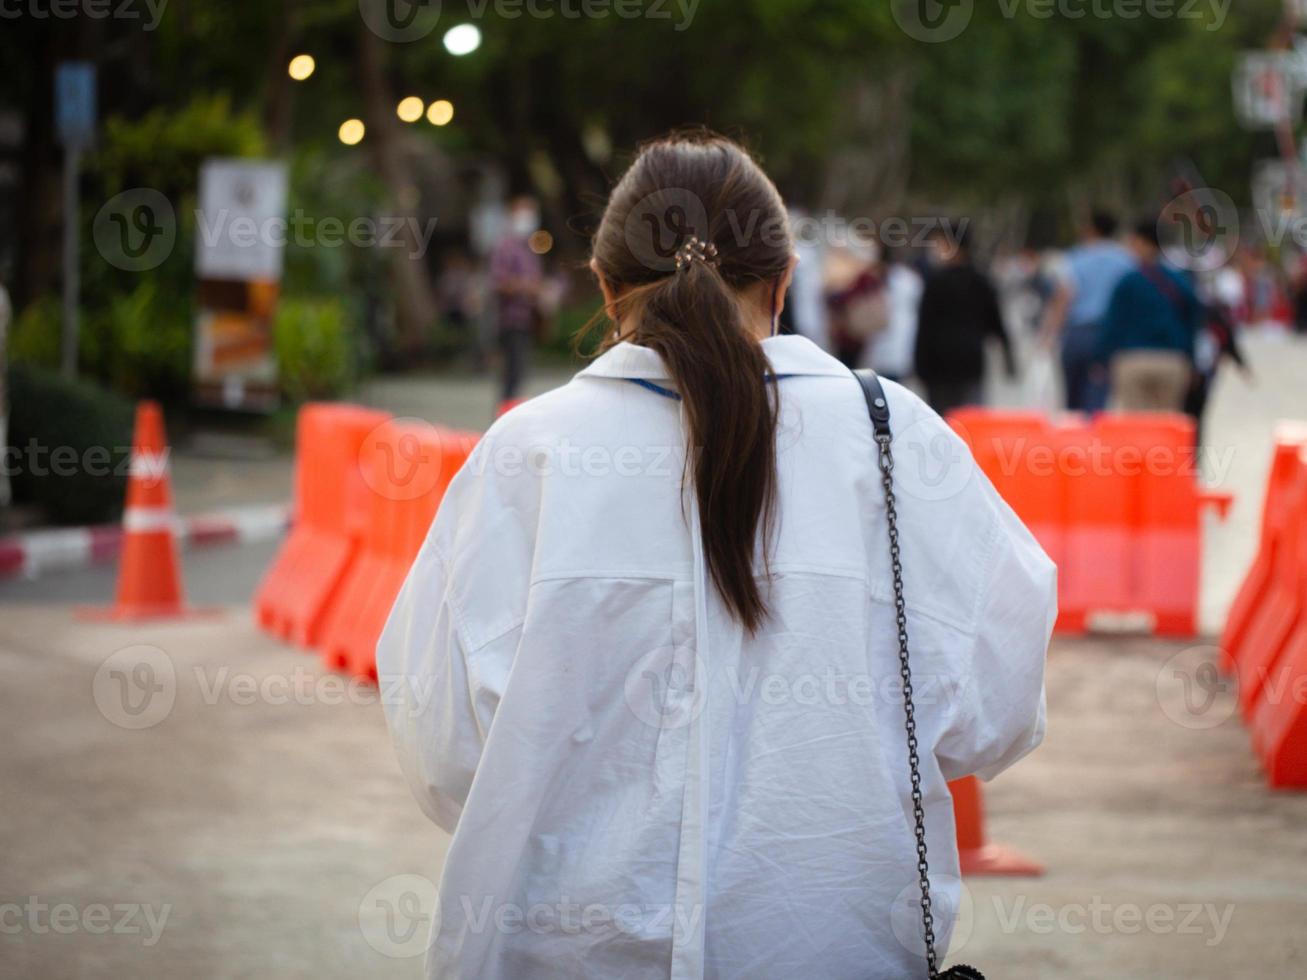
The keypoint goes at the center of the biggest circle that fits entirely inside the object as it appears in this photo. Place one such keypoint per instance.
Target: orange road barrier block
(149, 569)
(296, 591)
(1010, 447)
(1282, 601)
(1277, 711)
(976, 855)
(1290, 439)
(1157, 453)
(1096, 574)
(1116, 502)
(406, 469)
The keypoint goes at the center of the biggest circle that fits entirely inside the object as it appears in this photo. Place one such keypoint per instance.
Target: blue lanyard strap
(668, 393)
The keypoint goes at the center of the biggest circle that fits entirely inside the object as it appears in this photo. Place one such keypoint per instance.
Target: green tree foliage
(1045, 104)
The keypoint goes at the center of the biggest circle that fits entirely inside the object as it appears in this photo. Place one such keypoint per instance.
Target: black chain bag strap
(878, 409)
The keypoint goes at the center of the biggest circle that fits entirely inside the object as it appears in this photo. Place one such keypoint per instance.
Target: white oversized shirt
(638, 789)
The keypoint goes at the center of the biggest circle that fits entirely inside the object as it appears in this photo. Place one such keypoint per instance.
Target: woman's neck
(756, 322)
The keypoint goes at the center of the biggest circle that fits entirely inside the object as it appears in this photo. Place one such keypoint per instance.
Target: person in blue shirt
(1093, 268)
(1148, 334)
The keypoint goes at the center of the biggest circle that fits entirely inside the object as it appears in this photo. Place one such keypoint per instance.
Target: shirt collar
(788, 354)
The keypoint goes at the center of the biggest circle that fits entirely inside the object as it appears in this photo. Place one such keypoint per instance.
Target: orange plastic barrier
(1115, 502)
(149, 571)
(1273, 658)
(406, 468)
(1290, 439)
(1278, 710)
(292, 600)
(1006, 446)
(1281, 605)
(976, 855)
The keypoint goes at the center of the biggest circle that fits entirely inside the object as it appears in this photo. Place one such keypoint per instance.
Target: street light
(440, 112)
(351, 131)
(410, 109)
(462, 39)
(301, 67)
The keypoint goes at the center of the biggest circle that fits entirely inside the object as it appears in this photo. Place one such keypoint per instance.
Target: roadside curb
(35, 553)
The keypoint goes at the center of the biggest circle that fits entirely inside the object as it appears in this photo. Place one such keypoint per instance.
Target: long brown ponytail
(709, 188)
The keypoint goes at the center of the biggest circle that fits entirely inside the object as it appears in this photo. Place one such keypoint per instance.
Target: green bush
(139, 343)
(37, 334)
(70, 441)
(312, 342)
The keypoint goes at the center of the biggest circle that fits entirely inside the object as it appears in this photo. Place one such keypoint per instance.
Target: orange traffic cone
(149, 571)
(975, 855)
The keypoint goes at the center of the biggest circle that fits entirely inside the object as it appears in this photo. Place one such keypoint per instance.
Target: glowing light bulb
(462, 39)
(351, 132)
(440, 112)
(410, 109)
(301, 67)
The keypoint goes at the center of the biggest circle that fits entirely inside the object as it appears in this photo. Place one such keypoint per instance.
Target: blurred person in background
(855, 298)
(572, 640)
(458, 292)
(1027, 280)
(805, 313)
(1228, 289)
(889, 353)
(1266, 300)
(1091, 271)
(516, 278)
(1298, 283)
(1217, 342)
(6, 314)
(959, 314)
(1149, 332)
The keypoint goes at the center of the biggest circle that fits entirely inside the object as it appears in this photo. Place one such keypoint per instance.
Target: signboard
(1267, 89)
(240, 243)
(242, 220)
(1279, 188)
(74, 102)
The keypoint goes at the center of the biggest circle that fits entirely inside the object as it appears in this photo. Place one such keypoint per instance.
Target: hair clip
(694, 248)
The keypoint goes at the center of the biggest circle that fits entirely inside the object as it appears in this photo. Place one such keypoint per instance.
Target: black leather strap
(877, 404)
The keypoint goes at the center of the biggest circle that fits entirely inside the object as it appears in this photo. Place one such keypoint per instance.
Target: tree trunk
(415, 308)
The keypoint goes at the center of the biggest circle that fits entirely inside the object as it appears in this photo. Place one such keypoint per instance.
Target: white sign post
(1268, 89)
(241, 232)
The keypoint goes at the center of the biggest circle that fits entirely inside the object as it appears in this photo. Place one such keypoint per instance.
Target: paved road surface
(257, 823)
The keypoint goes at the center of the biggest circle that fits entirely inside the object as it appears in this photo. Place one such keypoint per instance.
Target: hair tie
(695, 249)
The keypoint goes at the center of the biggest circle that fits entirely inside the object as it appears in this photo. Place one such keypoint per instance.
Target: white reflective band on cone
(152, 466)
(149, 519)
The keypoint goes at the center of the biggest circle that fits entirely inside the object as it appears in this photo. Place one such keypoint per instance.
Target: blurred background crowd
(422, 178)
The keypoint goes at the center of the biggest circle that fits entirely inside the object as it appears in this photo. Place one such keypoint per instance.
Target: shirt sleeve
(999, 714)
(427, 691)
